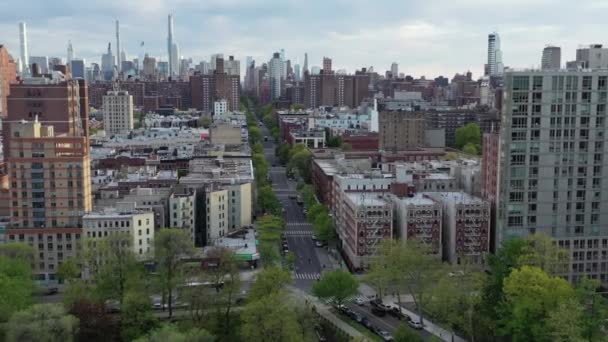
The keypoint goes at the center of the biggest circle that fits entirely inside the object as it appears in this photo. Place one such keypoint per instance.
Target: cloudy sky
(427, 37)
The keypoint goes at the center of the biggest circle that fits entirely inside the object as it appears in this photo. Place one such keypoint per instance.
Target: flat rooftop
(367, 199)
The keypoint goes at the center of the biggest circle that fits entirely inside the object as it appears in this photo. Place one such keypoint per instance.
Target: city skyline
(418, 36)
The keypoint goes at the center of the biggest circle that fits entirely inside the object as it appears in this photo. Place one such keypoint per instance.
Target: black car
(377, 303)
(366, 323)
(396, 312)
(378, 312)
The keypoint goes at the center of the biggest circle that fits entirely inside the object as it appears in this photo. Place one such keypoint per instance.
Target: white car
(360, 301)
(415, 324)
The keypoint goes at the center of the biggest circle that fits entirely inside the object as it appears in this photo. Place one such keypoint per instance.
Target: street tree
(282, 152)
(411, 267)
(564, 324)
(324, 227)
(170, 246)
(42, 322)
(543, 252)
(334, 141)
(16, 284)
(227, 282)
(595, 309)
(530, 295)
(258, 148)
(267, 201)
(469, 134)
(339, 285)
(95, 323)
(270, 281)
(255, 135)
(471, 149)
(136, 316)
(270, 319)
(119, 270)
(69, 270)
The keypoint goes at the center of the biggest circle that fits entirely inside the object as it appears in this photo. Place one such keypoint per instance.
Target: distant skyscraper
(315, 70)
(214, 58)
(70, 52)
(275, 66)
(296, 72)
(283, 65)
(118, 112)
(77, 68)
(174, 61)
(170, 42)
(327, 65)
(25, 61)
(395, 70)
(248, 61)
(118, 60)
(495, 66)
(305, 68)
(552, 58)
(107, 64)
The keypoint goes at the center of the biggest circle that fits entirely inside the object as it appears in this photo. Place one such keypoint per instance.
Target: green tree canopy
(405, 334)
(324, 227)
(136, 316)
(170, 246)
(270, 319)
(42, 322)
(267, 201)
(334, 141)
(339, 285)
(530, 295)
(469, 134)
(270, 281)
(255, 135)
(470, 148)
(16, 284)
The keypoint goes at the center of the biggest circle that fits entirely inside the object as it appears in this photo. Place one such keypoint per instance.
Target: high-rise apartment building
(595, 56)
(327, 65)
(8, 75)
(117, 112)
(495, 66)
(149, 69)
(553, 171)
(50, 185)
(552, 58)
(275, 67)
(206, 89)
(170, 42)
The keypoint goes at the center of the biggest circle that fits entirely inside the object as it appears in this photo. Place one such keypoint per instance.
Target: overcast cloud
(429, 37)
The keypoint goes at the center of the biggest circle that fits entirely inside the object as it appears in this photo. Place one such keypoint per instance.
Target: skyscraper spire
(70, 52)
(118, 59)
(170, 43)
(25, 58)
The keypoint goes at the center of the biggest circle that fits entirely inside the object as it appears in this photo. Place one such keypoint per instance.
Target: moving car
(378, 312)
(292, 196)
(385, 335)
(415, 324)
(398, 314)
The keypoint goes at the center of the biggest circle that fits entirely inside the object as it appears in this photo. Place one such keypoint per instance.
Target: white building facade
(118, 112)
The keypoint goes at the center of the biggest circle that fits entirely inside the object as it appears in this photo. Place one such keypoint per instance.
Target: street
(307, 268)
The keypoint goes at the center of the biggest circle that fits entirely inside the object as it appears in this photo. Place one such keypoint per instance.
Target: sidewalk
(326, 258)
(323, 310)
(429, 326)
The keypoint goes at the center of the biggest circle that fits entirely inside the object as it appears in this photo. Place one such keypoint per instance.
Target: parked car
(398, 314)
(319, 243)
(292, 196)
(357, 317)
(378, 312)
(360, 300)
(415, 324)
(384, 335)
(377, 303)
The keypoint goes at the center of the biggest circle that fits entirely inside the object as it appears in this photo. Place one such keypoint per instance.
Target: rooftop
(456, 197)
(367, 199)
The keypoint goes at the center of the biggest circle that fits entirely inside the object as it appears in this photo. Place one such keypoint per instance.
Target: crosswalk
(298, 233)
(298, 224)
(309, 276)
